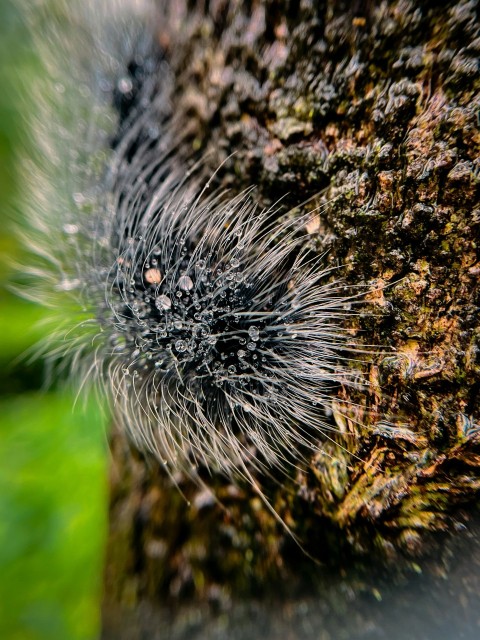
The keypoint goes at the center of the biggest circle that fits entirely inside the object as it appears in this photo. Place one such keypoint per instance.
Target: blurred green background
(53, 492)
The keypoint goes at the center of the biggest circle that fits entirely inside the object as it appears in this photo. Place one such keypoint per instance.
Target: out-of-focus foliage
(51, 518)
(52, 455)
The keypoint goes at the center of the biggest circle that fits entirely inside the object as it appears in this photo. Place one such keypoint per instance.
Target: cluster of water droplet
(190, 320)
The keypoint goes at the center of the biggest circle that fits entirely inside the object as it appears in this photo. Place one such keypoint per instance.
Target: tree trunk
(373, 108)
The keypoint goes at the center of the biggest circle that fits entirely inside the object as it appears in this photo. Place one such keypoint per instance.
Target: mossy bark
(373, 108)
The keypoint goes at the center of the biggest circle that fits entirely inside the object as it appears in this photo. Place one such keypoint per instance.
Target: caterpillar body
(216, 333)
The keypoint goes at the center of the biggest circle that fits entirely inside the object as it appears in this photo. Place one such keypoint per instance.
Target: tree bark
(373, 108)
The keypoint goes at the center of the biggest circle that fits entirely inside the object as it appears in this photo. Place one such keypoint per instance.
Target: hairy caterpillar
(216, 333)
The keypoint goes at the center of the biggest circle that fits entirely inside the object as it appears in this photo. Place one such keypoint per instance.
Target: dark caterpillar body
(221, 335)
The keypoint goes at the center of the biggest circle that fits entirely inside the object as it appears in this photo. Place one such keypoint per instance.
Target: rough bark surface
(374, 106)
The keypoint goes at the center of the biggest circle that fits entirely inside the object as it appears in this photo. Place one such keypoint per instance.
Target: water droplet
(78, 198)
(201, 331)
(185, 283)
(163, 303)
(207, 316)
(68, 284)
(235, 262)
(71, 229)
(181, 346)
(153, 276)
(241, 353)
(252, 346)
(254, 333)
(124, 85)
(153, 132)
(200, 264)
(232, 369)
(178, 324)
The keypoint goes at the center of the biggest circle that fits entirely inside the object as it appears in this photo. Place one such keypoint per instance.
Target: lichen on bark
(374, 109)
